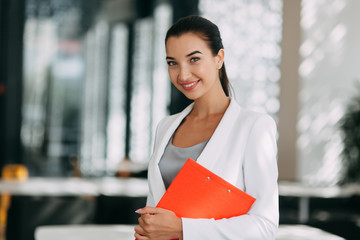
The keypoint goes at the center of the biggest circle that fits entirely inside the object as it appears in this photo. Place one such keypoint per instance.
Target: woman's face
(193, 68)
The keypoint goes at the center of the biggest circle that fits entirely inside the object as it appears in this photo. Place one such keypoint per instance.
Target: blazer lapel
(214, 148)
(209, 155)
(164, 138)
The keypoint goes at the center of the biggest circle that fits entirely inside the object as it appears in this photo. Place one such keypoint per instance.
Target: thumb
(147, 210)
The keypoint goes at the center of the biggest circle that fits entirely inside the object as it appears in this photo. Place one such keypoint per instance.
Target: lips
(190, 85)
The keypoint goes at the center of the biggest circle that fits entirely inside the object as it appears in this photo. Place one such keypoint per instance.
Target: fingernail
(139, 210)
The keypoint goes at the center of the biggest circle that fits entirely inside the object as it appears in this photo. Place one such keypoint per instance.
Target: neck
(210, 105)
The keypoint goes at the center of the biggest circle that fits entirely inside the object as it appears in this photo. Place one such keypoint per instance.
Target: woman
(234, 143)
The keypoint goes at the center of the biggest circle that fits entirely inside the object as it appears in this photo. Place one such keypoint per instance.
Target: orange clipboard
(197, 192)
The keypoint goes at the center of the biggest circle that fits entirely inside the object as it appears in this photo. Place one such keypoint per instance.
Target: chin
(192, 96)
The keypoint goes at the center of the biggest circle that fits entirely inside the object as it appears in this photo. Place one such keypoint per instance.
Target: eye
(194, 59)
(171, 63)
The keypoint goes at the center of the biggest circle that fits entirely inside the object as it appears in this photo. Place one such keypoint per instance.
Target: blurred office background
(83, 84)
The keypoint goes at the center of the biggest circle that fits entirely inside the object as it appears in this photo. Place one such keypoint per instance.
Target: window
(89, 74)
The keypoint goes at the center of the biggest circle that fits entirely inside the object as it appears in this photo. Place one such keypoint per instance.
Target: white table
(71, 186)
(78, 187)
(303, 232)
(304, 193)
(126, 232)
(85, 232)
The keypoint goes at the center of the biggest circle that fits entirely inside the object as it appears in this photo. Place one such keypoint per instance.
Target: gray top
(174, 159)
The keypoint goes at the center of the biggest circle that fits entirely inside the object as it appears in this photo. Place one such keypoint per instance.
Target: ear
(220, 58)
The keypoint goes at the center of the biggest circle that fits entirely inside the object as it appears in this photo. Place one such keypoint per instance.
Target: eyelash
(171, 63)
(192, 60)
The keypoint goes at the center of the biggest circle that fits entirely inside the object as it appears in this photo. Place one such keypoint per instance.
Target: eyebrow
(188, 55)
(192, 53)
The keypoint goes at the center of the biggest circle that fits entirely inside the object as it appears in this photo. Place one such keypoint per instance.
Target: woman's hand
(158, 223)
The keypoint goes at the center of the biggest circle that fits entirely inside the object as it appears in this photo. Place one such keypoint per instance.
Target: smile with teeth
(190, 86)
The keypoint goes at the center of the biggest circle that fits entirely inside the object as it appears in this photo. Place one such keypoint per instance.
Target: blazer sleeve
(260, 178)
(150, 198)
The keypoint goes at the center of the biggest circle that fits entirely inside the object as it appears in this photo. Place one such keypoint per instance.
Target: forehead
(179, 46)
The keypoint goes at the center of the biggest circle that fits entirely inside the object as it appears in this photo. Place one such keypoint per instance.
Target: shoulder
(249, 116)
(249, 122)
(258, 117)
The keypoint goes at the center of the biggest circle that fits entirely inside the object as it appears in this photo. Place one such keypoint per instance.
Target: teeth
(189, 85)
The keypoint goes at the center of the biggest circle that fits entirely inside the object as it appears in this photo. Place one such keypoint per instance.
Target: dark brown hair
(207, 31)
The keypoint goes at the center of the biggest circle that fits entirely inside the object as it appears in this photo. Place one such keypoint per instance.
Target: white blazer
(243, 151)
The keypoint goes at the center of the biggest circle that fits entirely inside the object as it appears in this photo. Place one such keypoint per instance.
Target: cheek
(172, 75)
(207, 71)
(203, 70)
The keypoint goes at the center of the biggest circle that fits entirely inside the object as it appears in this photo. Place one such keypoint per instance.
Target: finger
(162, 210)
(153, 211)
(141, 221)
(139, 230)
(144, 221)
(140, 237)
(147, 210)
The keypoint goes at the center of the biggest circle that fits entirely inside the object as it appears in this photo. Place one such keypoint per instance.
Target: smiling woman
(197, 71)
(236, 144)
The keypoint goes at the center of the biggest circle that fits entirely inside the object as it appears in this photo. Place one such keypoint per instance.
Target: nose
(184, 74)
